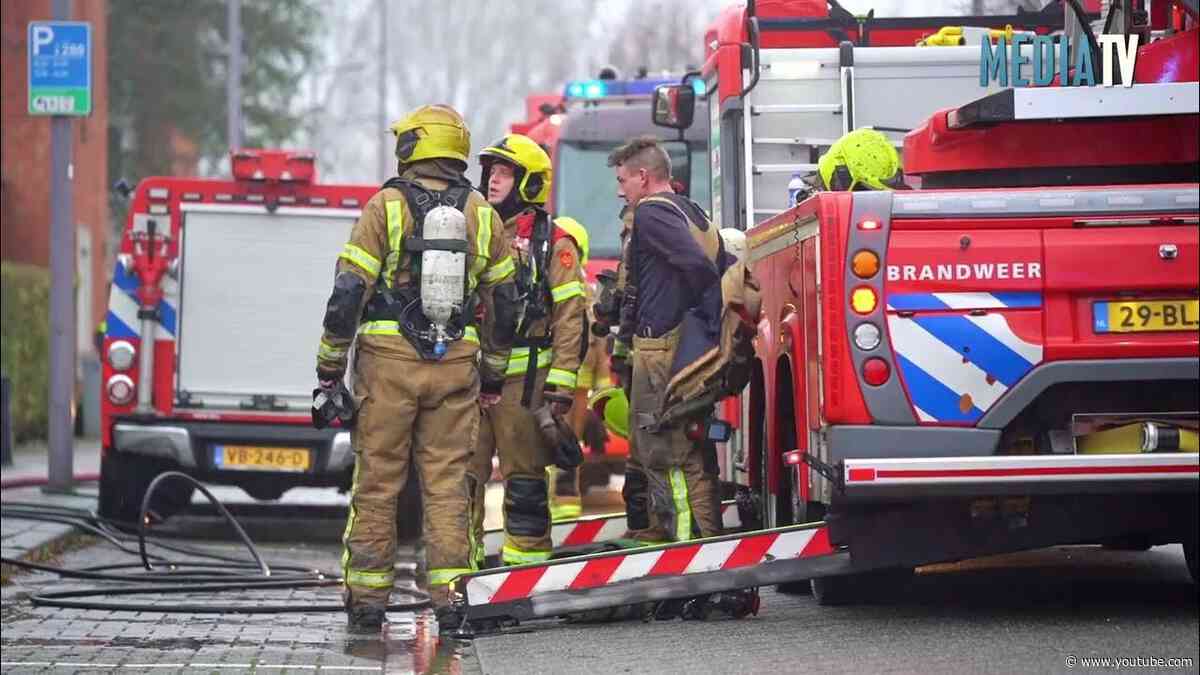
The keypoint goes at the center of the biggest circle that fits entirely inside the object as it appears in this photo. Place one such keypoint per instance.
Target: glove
(559, 436)
(332, 402)
(622, 372)
(559, 401)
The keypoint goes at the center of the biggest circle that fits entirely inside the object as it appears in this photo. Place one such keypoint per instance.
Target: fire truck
(1005, 358)
(586, 122)
(213, 320)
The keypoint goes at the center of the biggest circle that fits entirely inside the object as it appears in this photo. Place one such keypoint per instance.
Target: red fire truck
(1005, 358)
(213, 319)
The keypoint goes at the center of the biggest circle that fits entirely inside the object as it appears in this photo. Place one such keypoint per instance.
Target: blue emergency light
(603, 88)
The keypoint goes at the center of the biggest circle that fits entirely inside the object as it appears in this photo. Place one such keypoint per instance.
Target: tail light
(867, 336)
(876, 371)
(864, 300)
(120, 389)
(121, 355)
(865, 264)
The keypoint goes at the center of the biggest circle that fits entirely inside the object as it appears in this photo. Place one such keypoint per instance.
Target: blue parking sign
(60, 68)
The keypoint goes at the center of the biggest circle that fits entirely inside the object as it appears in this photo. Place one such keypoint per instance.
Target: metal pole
(61, 432)
(233, 86)
(384, 169)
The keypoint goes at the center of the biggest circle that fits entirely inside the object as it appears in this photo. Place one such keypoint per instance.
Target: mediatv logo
(1003, 63)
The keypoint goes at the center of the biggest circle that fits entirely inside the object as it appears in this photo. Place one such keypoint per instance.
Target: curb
(70, 540)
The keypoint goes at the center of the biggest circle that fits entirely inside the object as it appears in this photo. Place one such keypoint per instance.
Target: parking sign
(60, 68)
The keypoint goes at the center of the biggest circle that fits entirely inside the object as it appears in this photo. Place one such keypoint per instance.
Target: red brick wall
(25, 149)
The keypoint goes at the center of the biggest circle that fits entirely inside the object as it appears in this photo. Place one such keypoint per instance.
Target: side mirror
(674, 105)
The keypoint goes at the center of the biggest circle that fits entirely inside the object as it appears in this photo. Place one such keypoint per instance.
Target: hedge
(25, 345)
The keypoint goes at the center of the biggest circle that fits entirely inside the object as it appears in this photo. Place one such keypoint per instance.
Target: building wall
(26, 159)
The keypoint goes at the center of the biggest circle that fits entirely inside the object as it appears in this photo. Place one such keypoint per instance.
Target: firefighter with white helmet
(527, 429)
(426, 252)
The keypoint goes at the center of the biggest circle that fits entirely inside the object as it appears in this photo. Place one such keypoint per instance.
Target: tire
(410, 509)
(862, 588)
(123, 483)
(1133, 542)
(1191, 555)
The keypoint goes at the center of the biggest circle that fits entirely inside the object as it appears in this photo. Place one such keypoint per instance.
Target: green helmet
(613, 408)
(863, 157)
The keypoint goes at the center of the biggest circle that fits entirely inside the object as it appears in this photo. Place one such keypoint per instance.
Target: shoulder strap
(708, 238)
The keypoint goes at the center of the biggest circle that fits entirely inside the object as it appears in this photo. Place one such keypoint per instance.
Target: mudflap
(689, 580)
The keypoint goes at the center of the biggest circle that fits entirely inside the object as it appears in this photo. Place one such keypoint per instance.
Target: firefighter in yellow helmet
(550, 343)
(426, 252)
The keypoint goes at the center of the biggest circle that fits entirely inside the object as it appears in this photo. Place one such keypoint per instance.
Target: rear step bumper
(188, 443)
(1025, 474)
(653, 573)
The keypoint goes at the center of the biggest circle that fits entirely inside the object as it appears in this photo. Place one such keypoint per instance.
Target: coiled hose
(222, 575)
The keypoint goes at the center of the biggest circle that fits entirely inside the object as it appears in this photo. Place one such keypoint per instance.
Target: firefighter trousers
(680, 487)
(412, 413)
(509, 430)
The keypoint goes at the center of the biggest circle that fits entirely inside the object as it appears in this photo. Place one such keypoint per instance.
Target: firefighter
(425, 253)
(674, 257)
(550, 344)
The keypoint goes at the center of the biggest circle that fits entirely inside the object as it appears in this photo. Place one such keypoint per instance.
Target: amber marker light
(863, 300)
(865, 264)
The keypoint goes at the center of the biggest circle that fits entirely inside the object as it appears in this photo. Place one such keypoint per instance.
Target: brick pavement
(39, 639)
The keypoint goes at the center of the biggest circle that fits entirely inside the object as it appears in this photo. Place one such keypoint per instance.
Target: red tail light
(876, 371)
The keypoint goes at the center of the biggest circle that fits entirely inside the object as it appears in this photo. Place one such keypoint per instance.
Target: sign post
(60, 84)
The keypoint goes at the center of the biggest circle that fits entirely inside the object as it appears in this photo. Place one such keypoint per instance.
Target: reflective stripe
(351, 520)
(470, 333)
(515, 556)
(566, 291)
(369, 579)
(518, 361)
(500, 270)
(483, 245)
(683, 511)
(327, 352)
(444, 575)
(395, 227)
(561, 378)
(380, 328)
(358, 256)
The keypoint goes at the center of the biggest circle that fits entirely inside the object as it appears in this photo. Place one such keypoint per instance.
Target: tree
(661, 35)
(168, 66)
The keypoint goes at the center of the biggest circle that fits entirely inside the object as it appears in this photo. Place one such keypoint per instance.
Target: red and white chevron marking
(506, 586)
(592, 529)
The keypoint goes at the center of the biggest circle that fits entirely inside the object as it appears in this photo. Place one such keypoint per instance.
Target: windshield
(586, 188)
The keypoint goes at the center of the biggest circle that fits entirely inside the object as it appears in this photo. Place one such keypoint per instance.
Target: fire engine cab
(213, 320)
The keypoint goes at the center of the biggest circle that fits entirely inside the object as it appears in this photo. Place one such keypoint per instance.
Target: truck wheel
(123, 483)
(1191, 555)
(861, 588)
(410, 509)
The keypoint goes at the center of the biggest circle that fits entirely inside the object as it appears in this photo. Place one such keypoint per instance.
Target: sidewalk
(36, 540)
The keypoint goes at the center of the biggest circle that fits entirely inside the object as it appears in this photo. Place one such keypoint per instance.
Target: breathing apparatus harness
(403, 303)
(533, 289)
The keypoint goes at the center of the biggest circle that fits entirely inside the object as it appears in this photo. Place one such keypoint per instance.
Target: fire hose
(222, 575)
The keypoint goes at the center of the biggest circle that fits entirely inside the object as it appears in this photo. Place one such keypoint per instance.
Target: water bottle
(795, 188)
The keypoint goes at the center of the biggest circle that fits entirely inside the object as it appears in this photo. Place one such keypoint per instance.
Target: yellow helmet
(524, 153)
(862, 157)
(613, 407)
(432, 131)
(578, 232)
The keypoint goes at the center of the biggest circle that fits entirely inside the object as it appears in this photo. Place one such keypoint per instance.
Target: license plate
(261, 458)
(1146, 316)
